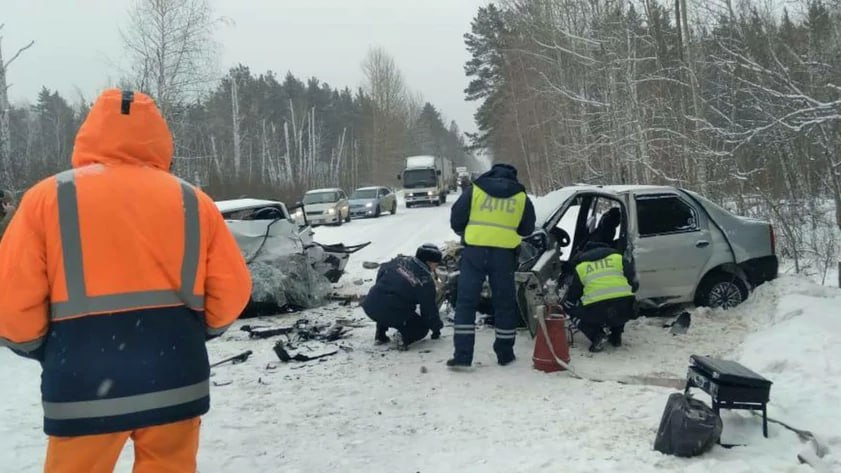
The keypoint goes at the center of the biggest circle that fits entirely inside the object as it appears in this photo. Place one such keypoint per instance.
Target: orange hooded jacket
(119, 250)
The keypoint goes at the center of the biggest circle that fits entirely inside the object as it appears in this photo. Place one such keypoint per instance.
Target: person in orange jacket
(113, 275)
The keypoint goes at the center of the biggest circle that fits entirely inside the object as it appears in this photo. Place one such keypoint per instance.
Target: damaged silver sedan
(290, 271)
(687, 250)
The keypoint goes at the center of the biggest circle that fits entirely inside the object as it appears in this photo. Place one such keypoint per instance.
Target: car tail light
(773, 240)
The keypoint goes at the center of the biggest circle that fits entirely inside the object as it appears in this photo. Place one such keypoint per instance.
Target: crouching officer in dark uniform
(492, 216)
(402, 284)
(601, 295)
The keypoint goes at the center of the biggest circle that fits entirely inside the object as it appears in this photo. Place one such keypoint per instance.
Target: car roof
(625, 189)
(242, 204)
(370, 188)
(328, 189)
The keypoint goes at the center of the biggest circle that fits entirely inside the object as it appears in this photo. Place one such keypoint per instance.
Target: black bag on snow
(688, 427)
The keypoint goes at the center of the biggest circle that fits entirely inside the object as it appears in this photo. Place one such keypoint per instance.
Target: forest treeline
(739, 100)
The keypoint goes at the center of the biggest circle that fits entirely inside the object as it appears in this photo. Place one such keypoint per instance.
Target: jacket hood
(124, 133)
(500, 181)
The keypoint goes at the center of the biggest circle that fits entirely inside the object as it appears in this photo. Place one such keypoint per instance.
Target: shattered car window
(664, 214)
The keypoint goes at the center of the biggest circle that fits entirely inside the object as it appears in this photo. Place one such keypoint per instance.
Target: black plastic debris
(681, 324)
(285, 357)
(265, 332)
(234, 359)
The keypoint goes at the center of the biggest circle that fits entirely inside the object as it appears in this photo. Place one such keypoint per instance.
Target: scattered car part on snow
(234, 359)
(680, 325)
(266, 332)
(285, 357)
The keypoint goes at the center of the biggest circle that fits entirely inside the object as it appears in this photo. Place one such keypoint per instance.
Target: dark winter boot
(615, 338)
(454, 364)
(506, 359)
(380, 337)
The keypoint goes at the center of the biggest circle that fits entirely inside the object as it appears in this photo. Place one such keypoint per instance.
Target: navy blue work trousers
(498, 266)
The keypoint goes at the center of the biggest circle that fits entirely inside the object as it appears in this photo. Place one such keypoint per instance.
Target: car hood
(546, 206)
(362, 202)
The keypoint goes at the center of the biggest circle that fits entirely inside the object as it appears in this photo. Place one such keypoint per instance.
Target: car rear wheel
(721, 290)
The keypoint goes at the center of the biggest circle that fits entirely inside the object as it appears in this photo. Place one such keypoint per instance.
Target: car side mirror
(438, 172)
(399, 177)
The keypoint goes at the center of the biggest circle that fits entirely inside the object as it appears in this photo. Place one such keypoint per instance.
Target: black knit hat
(429, 253)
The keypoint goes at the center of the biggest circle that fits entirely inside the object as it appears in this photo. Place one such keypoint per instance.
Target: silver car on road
(372, 202)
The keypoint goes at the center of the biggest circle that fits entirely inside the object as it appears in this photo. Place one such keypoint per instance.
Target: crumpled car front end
(289, 270)
(539, 269)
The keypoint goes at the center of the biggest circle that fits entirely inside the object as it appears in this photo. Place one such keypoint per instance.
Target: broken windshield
(321, 197)
(416, 178)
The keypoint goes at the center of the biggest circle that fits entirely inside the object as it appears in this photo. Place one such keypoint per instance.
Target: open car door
(545, 256)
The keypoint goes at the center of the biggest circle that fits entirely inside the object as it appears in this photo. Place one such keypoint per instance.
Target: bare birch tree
(171, 49)
(386, 87)
(7, 177)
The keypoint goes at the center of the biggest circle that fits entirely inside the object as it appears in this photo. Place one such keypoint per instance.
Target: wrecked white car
(289, 270)
(687, 250)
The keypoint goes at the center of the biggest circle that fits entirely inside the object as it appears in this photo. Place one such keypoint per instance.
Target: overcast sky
(77, 43)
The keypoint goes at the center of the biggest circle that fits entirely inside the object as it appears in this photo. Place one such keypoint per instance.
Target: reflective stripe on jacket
(493, 220)
(121, 273)
(603, 279)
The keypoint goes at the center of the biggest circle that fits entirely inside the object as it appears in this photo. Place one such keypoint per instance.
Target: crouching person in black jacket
(601, 295)
(402, 285)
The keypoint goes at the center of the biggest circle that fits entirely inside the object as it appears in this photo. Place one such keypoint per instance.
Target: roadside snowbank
(799, 348)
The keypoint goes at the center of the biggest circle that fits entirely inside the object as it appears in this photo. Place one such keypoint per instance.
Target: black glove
(436, 334)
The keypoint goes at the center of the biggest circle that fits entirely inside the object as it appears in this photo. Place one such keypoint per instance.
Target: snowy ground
(390, 234)
(375, 410)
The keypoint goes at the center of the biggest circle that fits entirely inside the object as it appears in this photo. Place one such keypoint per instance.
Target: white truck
(427, 180)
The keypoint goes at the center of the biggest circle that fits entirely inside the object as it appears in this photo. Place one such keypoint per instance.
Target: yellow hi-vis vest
(603, 280)
(494, 220)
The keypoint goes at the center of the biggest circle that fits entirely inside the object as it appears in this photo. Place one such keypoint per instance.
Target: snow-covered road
(389, 235)
(371, 409)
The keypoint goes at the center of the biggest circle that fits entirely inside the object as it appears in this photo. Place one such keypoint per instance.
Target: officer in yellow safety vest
(601, 295)
(491, 216)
